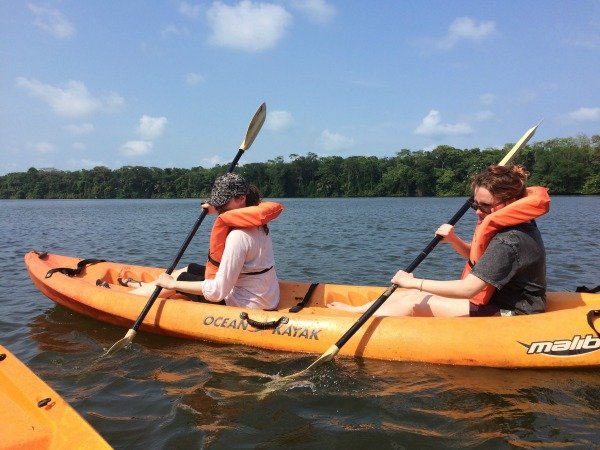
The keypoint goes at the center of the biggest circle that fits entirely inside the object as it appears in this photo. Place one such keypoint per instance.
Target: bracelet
(421, 287)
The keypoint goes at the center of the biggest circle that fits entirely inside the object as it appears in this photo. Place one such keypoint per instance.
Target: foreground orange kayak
(562, 337)
(34, 416)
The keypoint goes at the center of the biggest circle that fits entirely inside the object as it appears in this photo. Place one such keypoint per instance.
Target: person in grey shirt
(506, 270)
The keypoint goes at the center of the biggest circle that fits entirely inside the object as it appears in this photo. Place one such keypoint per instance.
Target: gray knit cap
(227, 187)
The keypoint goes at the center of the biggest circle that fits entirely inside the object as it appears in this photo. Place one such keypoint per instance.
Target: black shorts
(488, 310)
(194, 272)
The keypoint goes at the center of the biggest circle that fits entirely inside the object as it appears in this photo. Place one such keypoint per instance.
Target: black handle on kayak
(263, 325)
(410, 268)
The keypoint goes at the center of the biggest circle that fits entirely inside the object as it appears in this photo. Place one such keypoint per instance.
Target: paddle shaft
(180, 253)
(410, 268)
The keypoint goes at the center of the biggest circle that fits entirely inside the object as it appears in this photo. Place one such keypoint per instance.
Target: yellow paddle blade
(514, 152)
(280, 383)
(122, 343)
(255, 125)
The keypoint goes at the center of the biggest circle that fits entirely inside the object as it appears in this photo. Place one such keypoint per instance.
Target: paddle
(255, 125)
(334, 349)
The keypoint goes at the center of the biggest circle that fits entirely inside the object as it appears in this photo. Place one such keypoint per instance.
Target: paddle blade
(514, 152)
(122, 343)
(280, 383)
(254, 127)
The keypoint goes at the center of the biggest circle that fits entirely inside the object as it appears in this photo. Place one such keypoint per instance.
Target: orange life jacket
(248, 217)
(536, 203)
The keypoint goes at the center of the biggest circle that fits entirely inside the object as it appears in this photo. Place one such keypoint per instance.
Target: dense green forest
(565, 165)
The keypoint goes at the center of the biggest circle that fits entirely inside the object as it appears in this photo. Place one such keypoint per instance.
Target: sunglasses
(485, 208)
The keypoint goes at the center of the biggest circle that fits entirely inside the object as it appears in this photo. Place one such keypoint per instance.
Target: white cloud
(78, 164)
(89, 163)
(84, 128)
(151, 128)
(212, 161)
(79, 146)
(431, 126)
(112, 102)
(190, 11)
(72, 100)
(584, 115)
(52, 21)
(482, 116)
(173, 30)
(248, 26)
(589, 42)
(136, 148)
(331, 141)
(317, 10)
(44, 147)
(466, 29)
(278, 120)
(192, 78)
(487, 99)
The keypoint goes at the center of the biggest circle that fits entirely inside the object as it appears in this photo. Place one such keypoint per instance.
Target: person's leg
(412, 302)
(148, 288)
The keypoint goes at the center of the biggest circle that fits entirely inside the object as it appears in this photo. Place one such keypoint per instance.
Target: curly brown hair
(503, 182)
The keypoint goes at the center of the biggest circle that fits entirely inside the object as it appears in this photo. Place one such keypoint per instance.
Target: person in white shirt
(241, 270)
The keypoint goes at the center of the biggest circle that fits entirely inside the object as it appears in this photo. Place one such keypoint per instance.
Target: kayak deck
(34, 416)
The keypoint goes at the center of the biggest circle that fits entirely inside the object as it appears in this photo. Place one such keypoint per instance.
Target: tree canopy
(564, 165)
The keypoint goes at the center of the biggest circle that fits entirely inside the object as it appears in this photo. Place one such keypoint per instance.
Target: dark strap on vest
(257, 273)
(218, 263)
(214, 262)
(74, 272)
(305, 300)
(590, 319)
(588, 290)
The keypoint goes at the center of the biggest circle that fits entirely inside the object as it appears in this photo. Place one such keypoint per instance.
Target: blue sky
(171, 83)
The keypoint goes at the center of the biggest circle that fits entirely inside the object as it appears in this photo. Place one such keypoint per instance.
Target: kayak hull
(561, 337)
(33, 415)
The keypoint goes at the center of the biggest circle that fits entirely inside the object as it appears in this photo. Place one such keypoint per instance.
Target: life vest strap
(213, 261)
(216, 263)
(257, 273)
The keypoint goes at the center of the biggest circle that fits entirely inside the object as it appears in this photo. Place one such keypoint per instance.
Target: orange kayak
(34, 416)
(561, 337)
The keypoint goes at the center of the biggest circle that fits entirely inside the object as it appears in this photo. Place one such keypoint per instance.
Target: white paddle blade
(514, 152)
(122, 343)
(283, 382)
(255, 125)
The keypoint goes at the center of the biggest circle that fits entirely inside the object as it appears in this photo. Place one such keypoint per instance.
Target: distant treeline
(565, 165)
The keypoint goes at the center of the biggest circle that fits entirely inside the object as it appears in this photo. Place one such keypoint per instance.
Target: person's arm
(464, 288)
(166, 281)
(448, 235)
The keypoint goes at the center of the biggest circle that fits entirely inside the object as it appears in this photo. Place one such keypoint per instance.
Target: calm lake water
(170, 393)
